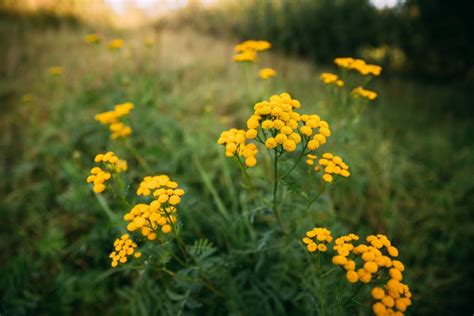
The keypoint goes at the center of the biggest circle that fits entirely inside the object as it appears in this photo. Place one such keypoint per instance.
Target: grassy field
(410, 156)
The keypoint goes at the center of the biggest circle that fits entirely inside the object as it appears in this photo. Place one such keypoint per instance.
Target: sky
(155, 7)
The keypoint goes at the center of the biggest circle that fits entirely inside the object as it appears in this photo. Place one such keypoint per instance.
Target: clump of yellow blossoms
(123, 247)
(235, 144)
(331, 165)
(373, 258)
(330, 78)
(359, 91)
(112, 118)
(277, 125)
(116, 44)
(247, 51)
(359, 65)
(317, 238)
(92, 38)
(99, 176)
(159, 215)
(55, 70)
(266, 73)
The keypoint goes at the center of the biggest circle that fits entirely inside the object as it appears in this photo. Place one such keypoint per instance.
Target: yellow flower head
(55, 70)
(317, 238)
(330, 78)
(266, 73)
(367, 94)
(246, 56)
(92, 38)
(332, 165)
(257, 46)
(358, 65)
(112, 118)
(235, 142)
(116, 44)
(99, 176)
(123, 248)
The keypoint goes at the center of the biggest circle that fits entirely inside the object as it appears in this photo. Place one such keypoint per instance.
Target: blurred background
(413, 165)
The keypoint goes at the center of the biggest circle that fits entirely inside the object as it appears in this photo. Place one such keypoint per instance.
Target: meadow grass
(410, 157)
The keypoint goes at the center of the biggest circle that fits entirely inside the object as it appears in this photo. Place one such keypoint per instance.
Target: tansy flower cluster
(55, 70)
(331, 165)
(247, 51)
(358, 65)
(276, 125)
(331, 79)
(112, 118)
(99, 176)
(116, 44)
(375, 256)
(235, 144)
(266, 73)
(373, 259)
(92, 38)
(317, 238)
(123, 247)
(359, 91)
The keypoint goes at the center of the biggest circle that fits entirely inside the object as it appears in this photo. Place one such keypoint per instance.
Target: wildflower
(329, 78)
(235, 144)
(99, 176)
(257, 46)
(247, 51)
(266, 73)
(92, 38)
(317, 238)
(359, 65)
(332, 165)
(123, 248)
(247, 55)
(359, 91)
(112, 118)
(394, 296)
(116, 44)
(159, 215)
(55, 70)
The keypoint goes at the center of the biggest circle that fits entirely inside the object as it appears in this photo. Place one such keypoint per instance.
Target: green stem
(275, 189)
(137, 156)
(315, 198)
(244, 170)
(321, 287)
(350, 299)
(296, 162)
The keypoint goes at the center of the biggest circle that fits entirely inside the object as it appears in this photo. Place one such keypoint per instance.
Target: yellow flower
(266, 73)
(332, 165)
(112, 118)
(235, 143)
(92, 38)
(55, 70)
(246, 56)
(116, 44)
(359, 91)
(330, 78)
(317, 238)
(98, 176)
(123, 248)
(358, 65)
(257, 46)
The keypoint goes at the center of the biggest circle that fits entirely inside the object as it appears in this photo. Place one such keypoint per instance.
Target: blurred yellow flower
(257, 46)
(266, 73)
(247, 55)
(92, 38)
(123, 247)
(149, 42)
(55, 70)
(28, 97)
(370, 95)
(116, 43)
(359, 65)
(330, 78)
(112, 118)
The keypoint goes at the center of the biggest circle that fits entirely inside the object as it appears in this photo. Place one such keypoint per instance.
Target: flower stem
(275, 189)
